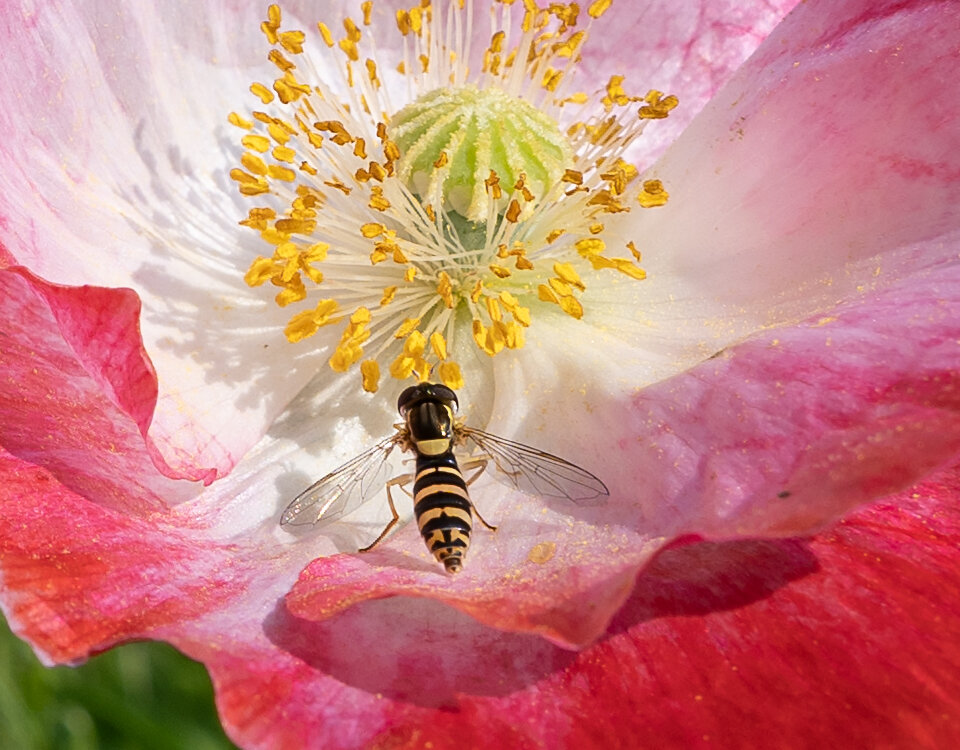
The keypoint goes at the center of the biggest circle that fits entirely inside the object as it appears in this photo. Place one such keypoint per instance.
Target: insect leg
(480, 464)
(395, 482)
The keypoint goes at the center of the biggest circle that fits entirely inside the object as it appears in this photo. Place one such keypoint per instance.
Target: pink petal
(79, 384)
(847, 639)
(115, 174)
(812, 173)
(79, 577)
(778, 436)
(688, 49)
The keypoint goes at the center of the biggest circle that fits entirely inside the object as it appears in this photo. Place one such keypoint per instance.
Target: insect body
(441, 502)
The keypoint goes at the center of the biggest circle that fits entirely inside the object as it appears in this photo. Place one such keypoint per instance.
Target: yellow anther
(257, 218)
(598, 8)
(249, 185)
(450, 375)
(325, 33)
(256, 142)
(571, 306)
(415, 344)
(276, 57)
(625, 266)
(317, 252)
(476, 292)
(551, 79)
(653, 194)
(513, 336)
(234, 119)
(289, 89)
(270, 26)
(372, 72)
(254, 163)
(292, 41)
(409, 325)
(657, 106)
(493, 309)
(402, 367)
(372, 229)
(568, 47)
(555, 235)
(499, 271)
(621, 175)
(296, 226)
(370, 372)
(568, 273)
(513, 211)
(590, 246)
(265, 95)
(410, 274)
(479, 333)
(560, 287)
(377, 201)
(282, 153)
(284, 174)
(366, 8)
(445, 289)
(261, 271)
(279, 133)
(388, 294)
(307, 323)
(633, 251)
(438, 344)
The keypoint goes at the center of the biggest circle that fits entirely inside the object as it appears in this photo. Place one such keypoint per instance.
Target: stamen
(472, 202)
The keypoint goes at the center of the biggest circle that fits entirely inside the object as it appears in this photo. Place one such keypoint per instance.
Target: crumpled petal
(726, 643)
(79, 387)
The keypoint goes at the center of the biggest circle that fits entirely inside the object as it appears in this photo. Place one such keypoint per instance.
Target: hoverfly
(441, 503)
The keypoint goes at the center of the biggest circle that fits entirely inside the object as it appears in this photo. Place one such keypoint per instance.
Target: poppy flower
(747, 336)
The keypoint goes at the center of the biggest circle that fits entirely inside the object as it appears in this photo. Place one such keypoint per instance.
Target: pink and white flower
(792, 356)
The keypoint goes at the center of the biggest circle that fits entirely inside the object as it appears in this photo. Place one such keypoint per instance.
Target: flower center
(473, 133)
(465, 210)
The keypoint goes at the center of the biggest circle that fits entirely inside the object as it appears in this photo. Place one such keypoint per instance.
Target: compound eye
(409, 397)
(442, 393)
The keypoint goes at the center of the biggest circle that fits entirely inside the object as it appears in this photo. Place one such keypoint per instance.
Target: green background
(139, 696)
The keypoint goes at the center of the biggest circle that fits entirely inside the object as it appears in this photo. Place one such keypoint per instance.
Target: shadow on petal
(417, 651)
(694, 578)
(420, 651)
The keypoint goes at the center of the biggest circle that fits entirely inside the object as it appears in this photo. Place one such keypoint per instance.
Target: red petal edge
(79, 378)
(847, 639)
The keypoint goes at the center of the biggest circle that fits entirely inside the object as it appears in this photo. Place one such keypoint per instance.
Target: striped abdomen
(443, 509)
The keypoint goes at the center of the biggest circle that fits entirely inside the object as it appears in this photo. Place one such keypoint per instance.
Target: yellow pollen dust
(417, 208)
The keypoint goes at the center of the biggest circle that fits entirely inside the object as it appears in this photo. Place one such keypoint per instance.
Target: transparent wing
(344, 489)
(536, 472)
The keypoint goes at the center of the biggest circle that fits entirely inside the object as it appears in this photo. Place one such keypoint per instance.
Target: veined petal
(79, 389)
(127, 164)
(811, 175)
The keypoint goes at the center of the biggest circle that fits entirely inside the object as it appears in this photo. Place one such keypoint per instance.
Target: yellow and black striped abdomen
(443, 509)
